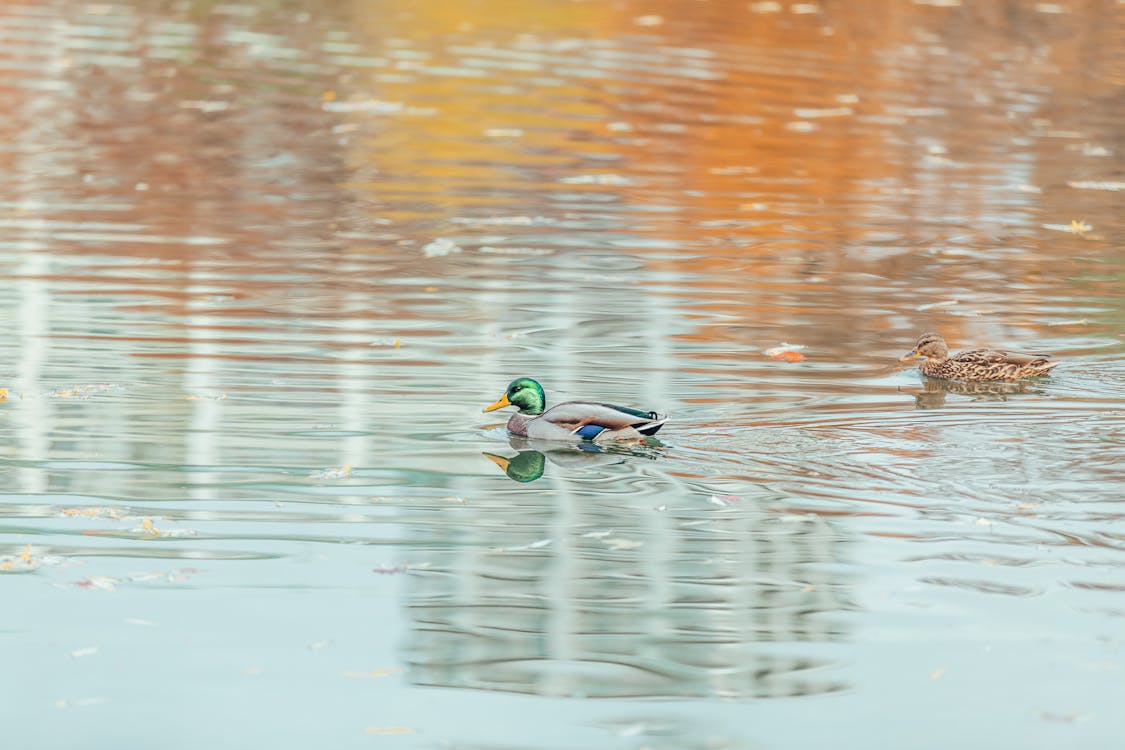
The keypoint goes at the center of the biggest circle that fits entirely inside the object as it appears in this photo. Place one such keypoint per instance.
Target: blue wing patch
(589, 431)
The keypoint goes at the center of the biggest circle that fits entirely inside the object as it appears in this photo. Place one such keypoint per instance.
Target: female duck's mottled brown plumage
(976, 364)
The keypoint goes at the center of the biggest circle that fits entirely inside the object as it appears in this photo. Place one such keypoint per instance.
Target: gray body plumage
(563, 422)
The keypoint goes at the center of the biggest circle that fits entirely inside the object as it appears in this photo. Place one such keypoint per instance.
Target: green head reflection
(525, 467)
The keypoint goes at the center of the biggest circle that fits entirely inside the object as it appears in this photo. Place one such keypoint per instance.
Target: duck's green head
(524, 393)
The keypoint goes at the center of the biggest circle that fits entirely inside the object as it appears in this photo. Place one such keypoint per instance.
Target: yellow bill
(499, 461)
(500, 404)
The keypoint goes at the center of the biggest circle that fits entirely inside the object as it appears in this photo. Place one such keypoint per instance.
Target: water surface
(264, 263)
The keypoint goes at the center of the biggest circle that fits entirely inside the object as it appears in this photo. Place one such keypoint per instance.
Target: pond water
(264, 264)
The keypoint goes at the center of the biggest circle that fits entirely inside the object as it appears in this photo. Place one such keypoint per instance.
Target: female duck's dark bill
(499, 404)
(913, 355)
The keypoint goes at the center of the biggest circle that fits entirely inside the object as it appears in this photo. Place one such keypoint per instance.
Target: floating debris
(372, 106)
(1078, 322)
(149, 529)
(219, 397)
(787, 352)
(337, 472)
(943, 303)
(504, 221)
(170, 576)
(21, 561)
(1110, 185)
(388, 571)
(1074, 227)
(441, 246)
(525, 547)
(78, 653)
(26, 561)
(82, 391)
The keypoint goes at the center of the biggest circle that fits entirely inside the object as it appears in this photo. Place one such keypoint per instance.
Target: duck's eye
(517, 388)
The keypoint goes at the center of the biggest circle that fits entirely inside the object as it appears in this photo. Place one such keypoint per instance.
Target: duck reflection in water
(532, 456)
(628, 586)
(934, 392)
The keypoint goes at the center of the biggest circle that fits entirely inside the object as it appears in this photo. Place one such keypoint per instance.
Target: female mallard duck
(976, 364)
(573, 420)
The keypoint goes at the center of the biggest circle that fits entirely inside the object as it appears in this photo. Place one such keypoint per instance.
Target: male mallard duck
(573, 420)
(976, 364)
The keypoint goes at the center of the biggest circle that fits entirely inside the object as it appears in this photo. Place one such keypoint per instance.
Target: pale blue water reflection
(265, 263)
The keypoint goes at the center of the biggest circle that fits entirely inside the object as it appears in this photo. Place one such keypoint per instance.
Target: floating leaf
(787, 352)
